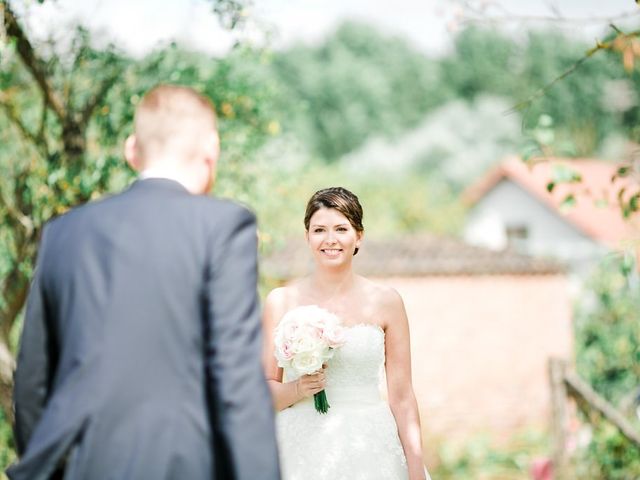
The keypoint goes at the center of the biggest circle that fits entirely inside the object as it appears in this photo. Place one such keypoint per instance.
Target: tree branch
(12, 114)
(31, 61)
(589, 53)
(501, 19)
(17, 293)
(15, 285)
(481, 14)
(42, 130)
(542, 91)
(17, 217)
(98, 97)
(14, 292)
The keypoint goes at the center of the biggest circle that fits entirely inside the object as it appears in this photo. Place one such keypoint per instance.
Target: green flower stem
(320, 401)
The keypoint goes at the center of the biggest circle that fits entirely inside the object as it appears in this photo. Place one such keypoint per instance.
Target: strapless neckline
(375, 326)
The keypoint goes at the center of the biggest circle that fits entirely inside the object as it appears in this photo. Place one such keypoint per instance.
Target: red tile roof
(596, 211)
(412, 256)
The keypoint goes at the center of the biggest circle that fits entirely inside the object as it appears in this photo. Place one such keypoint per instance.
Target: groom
(140, 354)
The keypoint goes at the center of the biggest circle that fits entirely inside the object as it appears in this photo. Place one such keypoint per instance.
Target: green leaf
(620, 194)
(564, 174)
(529, 150)
(544, 136)
(550, 186)
(545, 120)
(623, 171)
(568, 202)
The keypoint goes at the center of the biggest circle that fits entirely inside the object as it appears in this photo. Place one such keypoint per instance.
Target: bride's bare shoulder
(282, 299)
(378, 292)
(385, 299)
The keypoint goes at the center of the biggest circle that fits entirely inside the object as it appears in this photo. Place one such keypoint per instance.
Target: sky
(139, 25)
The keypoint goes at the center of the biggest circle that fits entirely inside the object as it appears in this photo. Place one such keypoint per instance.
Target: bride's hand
(309, 385)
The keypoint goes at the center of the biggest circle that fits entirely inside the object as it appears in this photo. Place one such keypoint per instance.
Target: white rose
(306, 343)
(307, 362)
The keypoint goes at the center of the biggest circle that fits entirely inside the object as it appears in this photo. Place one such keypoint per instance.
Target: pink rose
(287, 351)
(335, 337)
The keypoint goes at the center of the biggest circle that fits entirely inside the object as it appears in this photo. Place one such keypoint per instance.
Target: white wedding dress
(357, 439)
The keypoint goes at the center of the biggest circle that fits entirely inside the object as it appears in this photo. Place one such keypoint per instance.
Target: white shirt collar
(159, 173)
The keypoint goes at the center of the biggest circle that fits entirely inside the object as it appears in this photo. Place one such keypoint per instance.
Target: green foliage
(480, 62)
(361, 84)
(231, 13)
(393, 205)
(487, 61)
(608, 357)
(608, 456)
(478, 458)
(7, 448)
(357, 84)
(608, 333)
(52, 185)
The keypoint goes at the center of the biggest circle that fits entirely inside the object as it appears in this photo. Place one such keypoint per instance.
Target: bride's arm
(400, 390)
(284, 394)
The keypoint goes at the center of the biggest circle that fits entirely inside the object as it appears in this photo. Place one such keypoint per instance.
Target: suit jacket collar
(158, 183)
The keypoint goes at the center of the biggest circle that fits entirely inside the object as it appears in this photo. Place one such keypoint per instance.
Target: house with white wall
(560, 208)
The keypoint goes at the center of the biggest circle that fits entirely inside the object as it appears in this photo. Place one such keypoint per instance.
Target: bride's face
(332, 239)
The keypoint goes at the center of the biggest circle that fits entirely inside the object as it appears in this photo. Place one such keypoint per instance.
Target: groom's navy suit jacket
(140, 354)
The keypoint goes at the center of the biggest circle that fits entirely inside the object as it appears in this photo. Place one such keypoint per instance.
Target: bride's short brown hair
(342, 200)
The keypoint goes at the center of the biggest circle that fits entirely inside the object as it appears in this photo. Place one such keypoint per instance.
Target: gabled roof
(596, 211)
(413, 256)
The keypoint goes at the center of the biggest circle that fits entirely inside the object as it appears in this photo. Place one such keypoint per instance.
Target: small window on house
(517, 235)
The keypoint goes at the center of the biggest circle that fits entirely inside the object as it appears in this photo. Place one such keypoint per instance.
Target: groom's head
(175, 135)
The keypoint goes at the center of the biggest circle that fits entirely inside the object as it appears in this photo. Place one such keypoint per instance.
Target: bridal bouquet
(305, 339)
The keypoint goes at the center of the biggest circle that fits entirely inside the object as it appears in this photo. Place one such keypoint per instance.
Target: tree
(609, 59)
(356, 84)
(47, 163)
(63, 117)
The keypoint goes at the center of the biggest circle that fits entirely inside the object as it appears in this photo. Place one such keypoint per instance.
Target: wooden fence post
(581, 390)
(557, 369)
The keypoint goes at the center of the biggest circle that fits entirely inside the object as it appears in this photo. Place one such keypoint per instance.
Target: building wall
(480, 347)
(548, 234)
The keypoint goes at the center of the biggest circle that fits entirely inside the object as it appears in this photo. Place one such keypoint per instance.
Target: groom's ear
(212, 149)
(130, 153)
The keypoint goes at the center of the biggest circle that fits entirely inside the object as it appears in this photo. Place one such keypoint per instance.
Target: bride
(361, 436)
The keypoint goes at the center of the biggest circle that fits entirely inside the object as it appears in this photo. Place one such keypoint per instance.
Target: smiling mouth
(331, 252)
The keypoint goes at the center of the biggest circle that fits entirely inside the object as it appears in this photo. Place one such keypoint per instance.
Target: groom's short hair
(173, 119)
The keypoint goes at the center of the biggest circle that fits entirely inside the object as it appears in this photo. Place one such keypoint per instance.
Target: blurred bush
(477, 458)
(608, 357)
